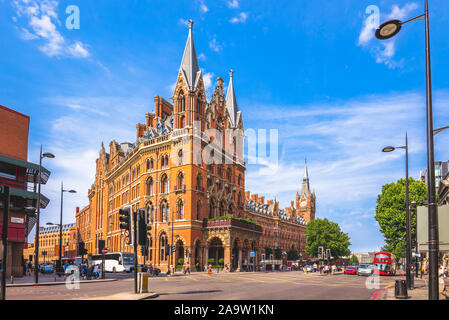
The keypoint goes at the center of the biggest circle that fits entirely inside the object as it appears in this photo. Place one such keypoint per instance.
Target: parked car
(351, 270)
(46, 268)
(365, 270)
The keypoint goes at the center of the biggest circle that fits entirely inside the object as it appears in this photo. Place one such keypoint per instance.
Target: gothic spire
(305, 180)
(189, 64)
(231, 101)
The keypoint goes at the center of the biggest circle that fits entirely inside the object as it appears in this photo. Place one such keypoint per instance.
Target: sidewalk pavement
(46, 280)
(126, 296)
(420, 292)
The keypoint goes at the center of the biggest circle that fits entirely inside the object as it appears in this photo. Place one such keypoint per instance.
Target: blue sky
(310, 69)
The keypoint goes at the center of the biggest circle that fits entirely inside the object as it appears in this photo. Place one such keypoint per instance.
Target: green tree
(391, 215)
(268, 251)
(292, 254)
(326, 234)
(353, 260)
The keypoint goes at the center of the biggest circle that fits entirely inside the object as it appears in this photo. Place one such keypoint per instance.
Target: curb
(54, 283)
(126, 296)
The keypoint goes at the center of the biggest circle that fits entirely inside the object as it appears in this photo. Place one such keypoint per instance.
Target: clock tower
(305, 201)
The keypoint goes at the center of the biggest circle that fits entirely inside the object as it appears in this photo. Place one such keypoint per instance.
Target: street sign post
(104, 251)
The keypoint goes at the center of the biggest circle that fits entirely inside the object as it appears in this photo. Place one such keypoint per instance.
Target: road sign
(105, 250)
(252, 254)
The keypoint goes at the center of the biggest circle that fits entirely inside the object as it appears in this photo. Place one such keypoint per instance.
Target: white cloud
(233, 4)
(203, 7)
(201, 57)
(42, 20)
(214, 45)
(208, 82)
(342, 142)
(383, 51)
(240, 18)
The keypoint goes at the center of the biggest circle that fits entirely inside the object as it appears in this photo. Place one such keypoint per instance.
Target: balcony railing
(180, 189)
(232, 223)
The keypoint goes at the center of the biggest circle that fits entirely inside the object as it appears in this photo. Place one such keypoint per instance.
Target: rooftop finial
(231, 72)
(190, 23)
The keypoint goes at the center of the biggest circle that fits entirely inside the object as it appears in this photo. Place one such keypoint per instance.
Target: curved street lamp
(60, 225)
(408, 250)
(386, 31)
(36, 247)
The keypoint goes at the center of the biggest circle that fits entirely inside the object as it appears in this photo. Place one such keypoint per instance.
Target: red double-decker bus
(385, 263)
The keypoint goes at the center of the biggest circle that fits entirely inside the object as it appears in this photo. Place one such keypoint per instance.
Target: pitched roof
(189, 64)
(231, 101)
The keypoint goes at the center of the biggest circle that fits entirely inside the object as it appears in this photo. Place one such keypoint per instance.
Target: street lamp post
(60, 224)
(408, 249)
(36, 247)
(386, 31)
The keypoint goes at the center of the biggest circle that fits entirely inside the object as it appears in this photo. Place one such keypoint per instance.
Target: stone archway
(215, 250)
(236, 254)
(179, 245)
(197, 256)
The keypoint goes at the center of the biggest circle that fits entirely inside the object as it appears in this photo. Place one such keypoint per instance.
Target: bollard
(12, 279)
(400, 289)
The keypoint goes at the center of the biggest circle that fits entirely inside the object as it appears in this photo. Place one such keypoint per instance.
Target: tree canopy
(391, 215)
(326, 234)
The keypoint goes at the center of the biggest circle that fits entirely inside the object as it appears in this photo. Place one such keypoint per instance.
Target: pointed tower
(189, 96)
(232, 110)
(189, 64)
(305, 202)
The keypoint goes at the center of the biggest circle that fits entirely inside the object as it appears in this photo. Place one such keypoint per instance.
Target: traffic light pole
(134, 217)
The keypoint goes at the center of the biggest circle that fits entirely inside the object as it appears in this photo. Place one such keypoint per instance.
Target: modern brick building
(22, 178)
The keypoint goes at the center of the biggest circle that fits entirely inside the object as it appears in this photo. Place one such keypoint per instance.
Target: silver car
(365, 270)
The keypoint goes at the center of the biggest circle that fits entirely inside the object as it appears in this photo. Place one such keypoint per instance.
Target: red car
(350, 270)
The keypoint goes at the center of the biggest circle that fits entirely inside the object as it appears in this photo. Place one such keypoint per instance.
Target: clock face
(303, 204)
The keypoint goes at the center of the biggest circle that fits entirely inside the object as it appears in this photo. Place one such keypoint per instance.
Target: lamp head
(48, 155)
(388, 29)
(388, 149)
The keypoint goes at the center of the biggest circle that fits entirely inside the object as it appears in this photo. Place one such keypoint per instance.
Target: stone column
(227, 255)
(206, 256)
(239, 266)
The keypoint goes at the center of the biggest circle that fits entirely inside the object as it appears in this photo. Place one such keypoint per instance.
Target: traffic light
(328, 253)
(82, 248)
(101, 245)
(141, 227)
(126, 222)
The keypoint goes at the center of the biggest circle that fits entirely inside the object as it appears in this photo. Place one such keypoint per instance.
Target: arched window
(198, 210)
(150, 217)
(182, 122)
(162, 242)
(180, 181)
(149, 164)
(164, 184)
(198, 105)
(211, 210)
(180, 157)
(180, 210)
(199, 182)
(182, 102)
(150, 188)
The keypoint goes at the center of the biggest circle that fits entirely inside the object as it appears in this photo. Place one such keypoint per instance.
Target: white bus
(115, 261)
